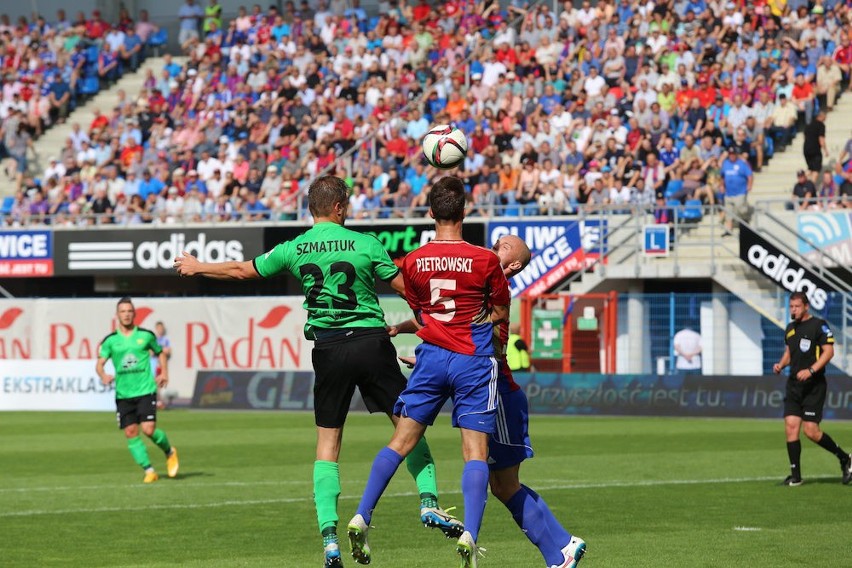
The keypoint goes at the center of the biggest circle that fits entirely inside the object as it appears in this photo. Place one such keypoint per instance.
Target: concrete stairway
(699, 252)
(702, 252)
(776, 181)
(51, 144)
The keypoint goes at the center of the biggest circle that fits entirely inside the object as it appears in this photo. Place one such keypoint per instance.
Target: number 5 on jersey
(436, 286)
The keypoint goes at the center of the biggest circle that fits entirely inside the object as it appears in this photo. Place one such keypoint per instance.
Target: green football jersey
(337, 268)
(131, 358)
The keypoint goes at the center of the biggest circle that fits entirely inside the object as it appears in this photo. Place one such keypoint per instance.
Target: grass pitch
(642, 492)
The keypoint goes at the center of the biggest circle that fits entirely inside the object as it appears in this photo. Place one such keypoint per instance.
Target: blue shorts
(510, 443)
(439, 374)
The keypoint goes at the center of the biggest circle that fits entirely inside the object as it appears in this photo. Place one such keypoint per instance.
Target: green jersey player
(129, 348)
(338, 269)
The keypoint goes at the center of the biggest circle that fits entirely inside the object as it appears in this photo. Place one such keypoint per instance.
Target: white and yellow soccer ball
(445, 146)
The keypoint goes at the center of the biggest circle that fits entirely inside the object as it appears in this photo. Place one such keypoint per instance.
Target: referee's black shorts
(344, 359)
(805, 399)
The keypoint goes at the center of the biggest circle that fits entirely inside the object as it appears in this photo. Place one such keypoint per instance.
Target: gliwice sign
(557, 251)
(24, 254)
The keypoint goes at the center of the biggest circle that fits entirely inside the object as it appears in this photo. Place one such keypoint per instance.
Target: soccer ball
(445, 146)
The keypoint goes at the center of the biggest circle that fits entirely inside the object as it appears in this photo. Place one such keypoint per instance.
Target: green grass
(642, 492)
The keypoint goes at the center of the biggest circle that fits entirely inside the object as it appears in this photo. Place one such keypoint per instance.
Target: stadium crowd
(615, 103)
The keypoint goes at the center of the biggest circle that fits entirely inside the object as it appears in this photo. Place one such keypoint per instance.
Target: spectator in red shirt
(803, 97)
(422, 11)
(100, 121)
(506, 55)
(96, 28)
(479, 140)
(843, 57)
(396, 144)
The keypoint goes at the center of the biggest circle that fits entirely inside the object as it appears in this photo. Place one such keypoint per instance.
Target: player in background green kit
(338, 268)
(129, 347)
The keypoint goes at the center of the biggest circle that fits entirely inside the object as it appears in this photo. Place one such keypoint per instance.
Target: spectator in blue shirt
(668, 153)
(737, 179)
(806, 68)
(108, 66)
(625, 11)
(130, 53)
(150, 185)
(190, 15)
(173, 68)
(465, 123)
(697, 7)
(254, 209)
(549, 99)
(280, 29)
(60, 99)
(131, 184)
(194, 183)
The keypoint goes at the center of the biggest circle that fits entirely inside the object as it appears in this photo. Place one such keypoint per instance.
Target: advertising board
(26, 254)
(672, 395)
(123, 252)
(39, 384)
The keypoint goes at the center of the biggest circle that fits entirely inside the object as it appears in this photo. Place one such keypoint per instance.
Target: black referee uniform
(806, 340)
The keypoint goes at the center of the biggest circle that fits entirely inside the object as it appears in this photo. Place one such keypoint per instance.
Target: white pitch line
(234, 503)
(144, 487)
(748, 529)
(558, 482)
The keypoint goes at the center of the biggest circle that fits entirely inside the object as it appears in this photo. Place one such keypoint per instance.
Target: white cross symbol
(547, 334)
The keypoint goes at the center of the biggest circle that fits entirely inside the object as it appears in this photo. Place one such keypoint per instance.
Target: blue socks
(474, 486)
(384, 466)
(534, 517)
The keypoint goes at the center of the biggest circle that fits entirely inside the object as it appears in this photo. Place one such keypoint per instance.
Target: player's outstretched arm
(408, 326)
(499, 314)
(188, 265)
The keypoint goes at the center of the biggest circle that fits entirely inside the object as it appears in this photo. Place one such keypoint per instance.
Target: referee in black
(810, 347)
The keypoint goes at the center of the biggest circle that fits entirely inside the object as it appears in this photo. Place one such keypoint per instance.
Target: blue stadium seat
(92, 53)
(90, 86)
(673, 187)
(693, 210)
(6, 207)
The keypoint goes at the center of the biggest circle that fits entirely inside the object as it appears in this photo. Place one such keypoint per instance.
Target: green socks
(422, 469)
(326, 492)
(138, 451)
(159, 438)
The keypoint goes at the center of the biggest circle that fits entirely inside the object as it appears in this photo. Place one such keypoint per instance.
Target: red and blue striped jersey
(452, 286)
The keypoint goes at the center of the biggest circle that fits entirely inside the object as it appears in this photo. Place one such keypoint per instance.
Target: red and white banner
(263, 333)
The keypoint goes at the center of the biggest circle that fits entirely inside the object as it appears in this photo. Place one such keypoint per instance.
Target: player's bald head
(513, 252)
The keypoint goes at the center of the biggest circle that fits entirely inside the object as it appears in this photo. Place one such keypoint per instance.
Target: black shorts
(366, 359)
(136, 410)
(805, 399)
(814, 162)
